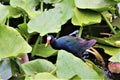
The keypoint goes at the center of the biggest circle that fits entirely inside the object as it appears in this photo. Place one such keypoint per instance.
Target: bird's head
(48, 40)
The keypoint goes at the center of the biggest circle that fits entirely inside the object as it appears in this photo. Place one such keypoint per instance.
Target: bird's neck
(54, 44)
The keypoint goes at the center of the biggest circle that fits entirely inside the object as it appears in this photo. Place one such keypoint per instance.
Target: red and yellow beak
(47, 43)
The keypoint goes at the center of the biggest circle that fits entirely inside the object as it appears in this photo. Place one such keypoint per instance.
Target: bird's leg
(97, 55)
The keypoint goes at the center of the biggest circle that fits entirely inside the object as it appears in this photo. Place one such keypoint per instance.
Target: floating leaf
(69, 66)
(43, 51)
(23, 30)
(109, 49)
(111, 41)
(12, 43)
(115, 58)
(3, 14)
(27, 6)
(85, 17)
(5, 70)
(13, 12)
(44, 76)
(101, 5)
(37, 66)
(52, 23)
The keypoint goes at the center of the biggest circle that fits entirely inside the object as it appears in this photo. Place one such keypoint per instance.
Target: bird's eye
(49, 38)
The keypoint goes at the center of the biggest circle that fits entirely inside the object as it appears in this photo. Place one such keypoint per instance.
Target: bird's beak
(47, 43)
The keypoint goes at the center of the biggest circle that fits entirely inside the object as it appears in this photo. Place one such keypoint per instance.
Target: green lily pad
(13, 12)
(52, 23)
(115, 58)
(40, 76)
(12, 43)
(110, 41)
(43, 51)
(36, 66)
(108, 49)
(23, 30)
(101, 5)
(85, 17)
(26, 6)
(68, 66)
(3, 14)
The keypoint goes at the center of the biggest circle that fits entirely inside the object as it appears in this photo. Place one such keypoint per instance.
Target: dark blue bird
(72, 44)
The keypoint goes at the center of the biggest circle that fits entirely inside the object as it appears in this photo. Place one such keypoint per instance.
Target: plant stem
(35, 46)
(80, 31)
(109, 24)
(24, 18)
(8, 21)
(41, 6)
(58, 34)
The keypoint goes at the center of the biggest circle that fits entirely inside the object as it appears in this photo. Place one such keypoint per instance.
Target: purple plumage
(72, 44)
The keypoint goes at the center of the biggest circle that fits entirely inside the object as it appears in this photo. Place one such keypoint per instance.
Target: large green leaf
(111, 41)
(37, 66)
(42, 76)
(100, 5)
(3, 14)
(27, 6)
(13, 12)
(43, 51)
(11, 42)
(23, 30)
(69, 66)
(85, 17)
(5, 70)
(115, 58)
(108, 49)
(50, 21)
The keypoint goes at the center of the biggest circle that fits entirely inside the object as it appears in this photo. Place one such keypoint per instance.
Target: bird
(76, 46)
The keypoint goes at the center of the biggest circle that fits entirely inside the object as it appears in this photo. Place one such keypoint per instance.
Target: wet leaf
(101, 5)
(85, 17)
(69, 66)
(36, 66)
(43, 51)
(12, 43)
